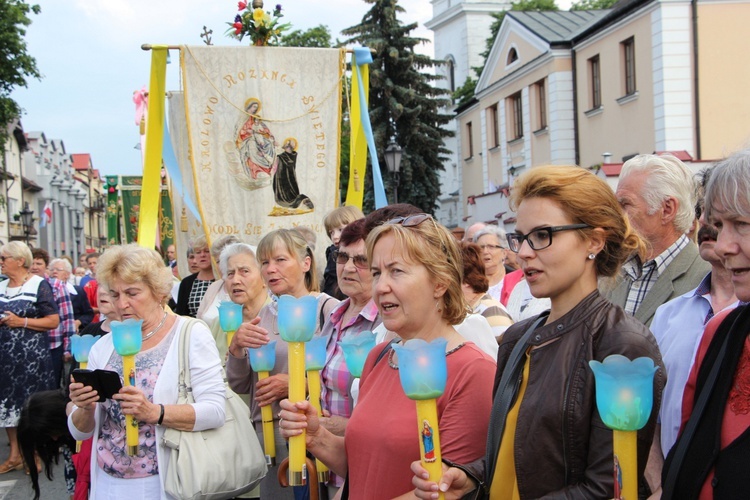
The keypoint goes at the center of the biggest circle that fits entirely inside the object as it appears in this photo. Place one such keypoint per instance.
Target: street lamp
(27, 220)
(393, 155)
(78, 228)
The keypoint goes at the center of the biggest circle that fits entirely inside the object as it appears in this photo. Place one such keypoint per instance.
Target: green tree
(16, 65)
(404, 104)
(319, 36)
(466, 91)
(593, 4)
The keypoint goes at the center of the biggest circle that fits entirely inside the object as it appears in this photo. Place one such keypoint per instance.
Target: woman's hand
(134, 402)
(454, 483)
(11, 320)
(297, 417)
(272, 389)
(83, 396)
(249, 335)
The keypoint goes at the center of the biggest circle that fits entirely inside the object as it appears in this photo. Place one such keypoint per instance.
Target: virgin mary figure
(256, 143)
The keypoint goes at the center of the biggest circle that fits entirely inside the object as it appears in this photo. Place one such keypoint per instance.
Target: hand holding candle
(262, 361)
(624, 398)
(297, 320)
(230, 318)
(423, 373)
(126, 336)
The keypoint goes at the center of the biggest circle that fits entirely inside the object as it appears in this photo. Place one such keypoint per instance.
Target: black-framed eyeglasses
(342, 258)
(411, 220)
(539, 239)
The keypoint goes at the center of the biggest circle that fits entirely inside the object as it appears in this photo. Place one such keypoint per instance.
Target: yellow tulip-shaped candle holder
(297, 322)
(230, 318)
(624, 398)
(423, 372)
(315, 360)
(262, 361)
(126, 335)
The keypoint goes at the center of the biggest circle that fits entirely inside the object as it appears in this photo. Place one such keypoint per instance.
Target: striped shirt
(645, 276)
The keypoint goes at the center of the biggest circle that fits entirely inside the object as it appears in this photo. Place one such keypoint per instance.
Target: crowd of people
(658, 268)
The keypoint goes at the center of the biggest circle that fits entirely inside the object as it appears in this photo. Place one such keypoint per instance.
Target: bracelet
(161, 414)
(26, 322)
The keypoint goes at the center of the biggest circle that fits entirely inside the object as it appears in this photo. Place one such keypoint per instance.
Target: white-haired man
(658, 195)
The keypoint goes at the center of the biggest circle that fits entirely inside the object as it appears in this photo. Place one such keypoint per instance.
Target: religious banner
(166, 221)
(130, 188)
(263, 127)
(113, 211)
(182, 190)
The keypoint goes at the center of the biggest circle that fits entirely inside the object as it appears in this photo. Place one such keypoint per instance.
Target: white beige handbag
(213, 464)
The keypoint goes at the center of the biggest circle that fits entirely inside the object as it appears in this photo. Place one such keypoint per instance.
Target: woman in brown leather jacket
(546, 437)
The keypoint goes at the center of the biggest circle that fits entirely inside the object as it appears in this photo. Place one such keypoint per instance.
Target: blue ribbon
(364, 56)
(173, 169)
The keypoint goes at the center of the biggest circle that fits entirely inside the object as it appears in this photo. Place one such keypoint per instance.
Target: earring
(592, 256)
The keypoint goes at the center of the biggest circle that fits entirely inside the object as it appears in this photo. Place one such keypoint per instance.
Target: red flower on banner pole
(261, 26)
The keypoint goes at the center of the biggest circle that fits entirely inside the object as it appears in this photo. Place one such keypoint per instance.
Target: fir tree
(404, 105)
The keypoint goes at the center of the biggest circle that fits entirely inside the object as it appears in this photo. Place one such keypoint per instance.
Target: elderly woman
(475, 287)
(139, 284)
(416, 268)
(288, 267)
(243, 284)
(193, 288)
(549, 440)
(28, 312)
(709, 459)
(491, 240)
(216, 293)
(355, 314)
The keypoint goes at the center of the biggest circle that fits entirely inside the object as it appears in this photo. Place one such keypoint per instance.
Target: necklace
(395, 366)
(152, 332)
(19, 287)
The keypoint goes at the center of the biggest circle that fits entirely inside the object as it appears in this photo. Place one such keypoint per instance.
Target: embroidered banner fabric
(263, 129)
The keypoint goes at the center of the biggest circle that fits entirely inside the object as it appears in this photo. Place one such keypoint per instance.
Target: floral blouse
(111, 453)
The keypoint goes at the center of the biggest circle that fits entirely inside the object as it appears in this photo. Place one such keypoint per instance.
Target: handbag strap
(183, 357)
(681, 448)
(506, 390)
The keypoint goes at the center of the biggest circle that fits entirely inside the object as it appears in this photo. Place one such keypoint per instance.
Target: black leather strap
(506, 391)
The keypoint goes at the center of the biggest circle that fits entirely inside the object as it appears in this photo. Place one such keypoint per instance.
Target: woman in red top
(416, 268)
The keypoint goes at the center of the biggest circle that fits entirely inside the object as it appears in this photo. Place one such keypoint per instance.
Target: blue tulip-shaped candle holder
(80, 347)
(297, 321)
(356, 347)
(127, 338)
(230, 318)
(423, 372)
(624, 398)
(262, 361)
(315, 360)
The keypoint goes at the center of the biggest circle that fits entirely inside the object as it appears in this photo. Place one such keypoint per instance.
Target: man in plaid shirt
(59, 338)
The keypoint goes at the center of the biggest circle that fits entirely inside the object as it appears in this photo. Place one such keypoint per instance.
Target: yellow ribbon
(358, 143)
(148, 222)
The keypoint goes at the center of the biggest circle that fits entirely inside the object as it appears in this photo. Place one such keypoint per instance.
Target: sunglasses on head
(411, 220)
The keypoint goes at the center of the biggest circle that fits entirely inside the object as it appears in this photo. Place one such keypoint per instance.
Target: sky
(89, 54)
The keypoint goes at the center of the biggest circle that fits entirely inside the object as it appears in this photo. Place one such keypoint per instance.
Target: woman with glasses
(193, 288)
(27, 311)
(416, 268)
(287, 266)
(547, 438)
(492, 242)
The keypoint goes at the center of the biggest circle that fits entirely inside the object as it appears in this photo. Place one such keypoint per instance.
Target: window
(512, 56)
(596, 82)
(628, 57)
(515, 104)
(541, 101)
(469, 141)
(450, 63)
(493, 132)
